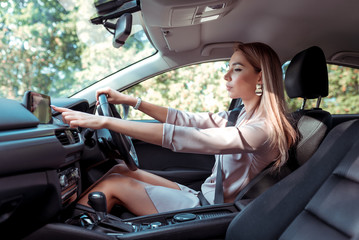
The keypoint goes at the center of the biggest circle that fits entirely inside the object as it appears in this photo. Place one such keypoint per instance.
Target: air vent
(76, 135)
(67, 137)
(61, 135)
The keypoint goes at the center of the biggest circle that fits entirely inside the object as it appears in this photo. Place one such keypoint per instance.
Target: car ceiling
(287, 26)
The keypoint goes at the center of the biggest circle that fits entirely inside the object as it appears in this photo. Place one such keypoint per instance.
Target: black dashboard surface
(15, 116)
(34, 158)
(26, 145)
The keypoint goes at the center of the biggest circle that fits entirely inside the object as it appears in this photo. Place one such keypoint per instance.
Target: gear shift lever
(97, 200)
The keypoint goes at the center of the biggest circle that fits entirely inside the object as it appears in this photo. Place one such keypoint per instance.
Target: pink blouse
(243, 150)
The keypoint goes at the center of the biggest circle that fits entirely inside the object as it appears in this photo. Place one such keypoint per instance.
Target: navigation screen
(39, 105)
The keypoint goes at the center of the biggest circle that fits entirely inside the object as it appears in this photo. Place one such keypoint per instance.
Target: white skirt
(169, 199)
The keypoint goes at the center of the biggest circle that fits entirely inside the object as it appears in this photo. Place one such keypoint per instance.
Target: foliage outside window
(52, 48)
(197, 88)
(343, 95)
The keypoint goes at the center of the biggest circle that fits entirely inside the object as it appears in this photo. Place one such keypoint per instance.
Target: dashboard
(40, 171)
(41, 178)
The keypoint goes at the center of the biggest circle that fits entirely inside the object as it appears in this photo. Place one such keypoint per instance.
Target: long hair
(272, 104)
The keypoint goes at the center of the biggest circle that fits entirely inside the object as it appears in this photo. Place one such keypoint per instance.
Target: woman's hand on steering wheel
(113, 96)
(122, 142)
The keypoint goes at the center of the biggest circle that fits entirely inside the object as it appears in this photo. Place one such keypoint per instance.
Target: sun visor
(197, 14)
(174, 36)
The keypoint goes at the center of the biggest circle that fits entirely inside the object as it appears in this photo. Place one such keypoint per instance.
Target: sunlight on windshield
(52, 48)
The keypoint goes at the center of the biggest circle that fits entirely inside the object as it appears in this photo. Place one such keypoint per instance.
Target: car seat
(306, 77)
(317, 201)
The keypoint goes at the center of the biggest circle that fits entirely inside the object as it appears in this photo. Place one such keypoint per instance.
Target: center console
(69, 179)
(195, 223)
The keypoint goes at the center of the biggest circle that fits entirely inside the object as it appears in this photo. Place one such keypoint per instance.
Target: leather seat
(317, 201)
(306, 77)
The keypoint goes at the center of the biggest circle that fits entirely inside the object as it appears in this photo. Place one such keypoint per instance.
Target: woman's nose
(227, 76)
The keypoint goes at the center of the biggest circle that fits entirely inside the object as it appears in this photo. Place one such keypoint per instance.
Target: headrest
(307, 75)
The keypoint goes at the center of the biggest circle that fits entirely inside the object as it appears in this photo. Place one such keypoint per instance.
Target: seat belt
(218, 195)
(254, 181)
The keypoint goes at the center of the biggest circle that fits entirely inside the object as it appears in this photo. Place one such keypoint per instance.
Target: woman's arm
(157, 112)
(198, 120)
(248, 138)
(227, 140)
(148, 132)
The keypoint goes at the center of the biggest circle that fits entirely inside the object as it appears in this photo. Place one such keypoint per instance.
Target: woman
(262, 134)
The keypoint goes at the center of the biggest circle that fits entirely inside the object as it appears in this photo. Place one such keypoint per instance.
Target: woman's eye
(237, 69)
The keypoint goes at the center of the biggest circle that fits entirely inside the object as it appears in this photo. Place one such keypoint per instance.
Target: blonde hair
(272, 104)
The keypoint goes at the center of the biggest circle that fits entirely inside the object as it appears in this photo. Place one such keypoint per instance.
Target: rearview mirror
(122, 30)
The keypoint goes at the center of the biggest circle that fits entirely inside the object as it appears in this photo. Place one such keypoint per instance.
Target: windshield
(52, 48)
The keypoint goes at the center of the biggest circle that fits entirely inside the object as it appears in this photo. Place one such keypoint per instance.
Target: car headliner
(287, 26)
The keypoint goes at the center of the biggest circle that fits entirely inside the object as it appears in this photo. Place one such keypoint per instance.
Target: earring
(259, 90)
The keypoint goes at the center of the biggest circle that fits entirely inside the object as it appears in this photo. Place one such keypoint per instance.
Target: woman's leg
(126, 187)
(126, 191)
(143, 176)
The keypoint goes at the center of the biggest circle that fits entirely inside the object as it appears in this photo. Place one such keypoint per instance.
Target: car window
(196, 88)
(343, 95)
(51, 47)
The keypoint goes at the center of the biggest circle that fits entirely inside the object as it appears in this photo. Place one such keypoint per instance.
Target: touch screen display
(39, 105)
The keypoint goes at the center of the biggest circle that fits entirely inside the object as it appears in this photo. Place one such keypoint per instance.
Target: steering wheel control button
(184, 217)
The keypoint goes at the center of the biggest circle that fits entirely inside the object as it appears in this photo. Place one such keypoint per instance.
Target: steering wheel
(117, 143)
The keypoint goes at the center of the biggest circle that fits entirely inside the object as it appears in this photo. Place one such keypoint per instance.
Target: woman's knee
(112, 178)
(115, 181)
(119, 168)
(115, 185)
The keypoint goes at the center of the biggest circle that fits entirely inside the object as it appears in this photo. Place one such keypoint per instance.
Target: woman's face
(241, 77)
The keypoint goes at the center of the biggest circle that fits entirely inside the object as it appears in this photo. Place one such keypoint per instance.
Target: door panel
(339, 118)
(185, 168)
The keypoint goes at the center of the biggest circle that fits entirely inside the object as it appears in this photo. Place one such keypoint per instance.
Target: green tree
(197, 88)
(55, 51)
(343, 90)
(39, 48)
(100, 58)
(343, 95)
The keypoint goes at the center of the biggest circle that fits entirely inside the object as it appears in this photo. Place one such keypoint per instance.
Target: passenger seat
(307, 78)
(317, 201)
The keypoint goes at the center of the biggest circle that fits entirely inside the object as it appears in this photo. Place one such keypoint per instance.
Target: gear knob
(97, 200)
